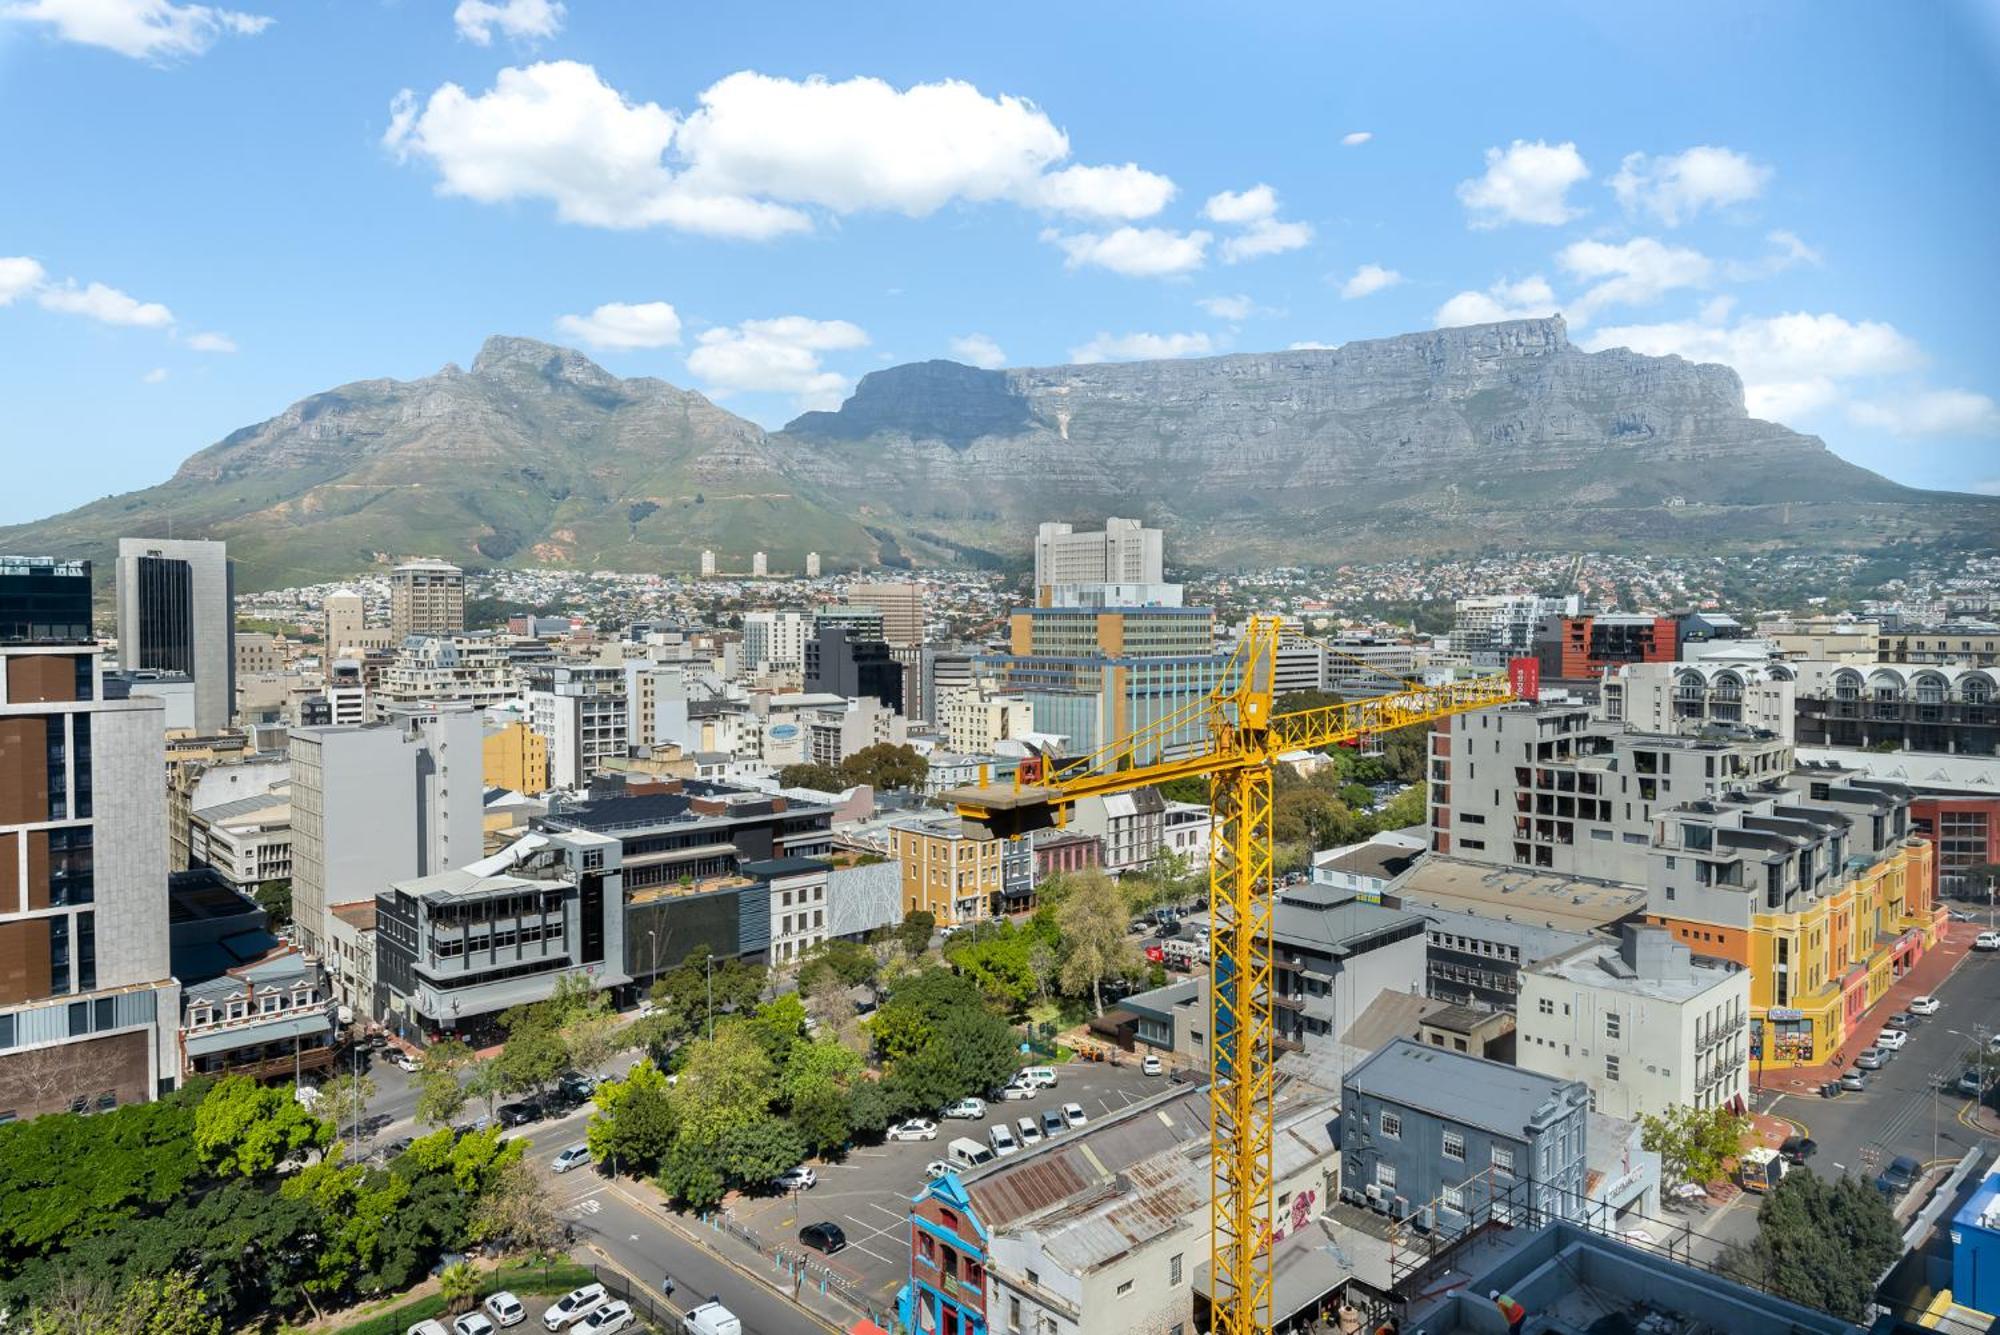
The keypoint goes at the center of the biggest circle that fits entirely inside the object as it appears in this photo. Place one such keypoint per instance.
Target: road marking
(899, 1217)
(877, 1255)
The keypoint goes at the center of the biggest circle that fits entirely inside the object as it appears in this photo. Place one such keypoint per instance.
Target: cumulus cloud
(779, 355)
(522, 20)
(1676, 187)
(1937, 412)
(1136, 252)
(1241, 206)
(1630, 273)
(107, 305)
(1255, 212)
(1529, 298)
(211, 341)
(1524, 183)
(1356, 138)
(978, 350)
(617, 324)
(155, 30)
(1228, 308)
(755, 154)
(1141, 347)
(19, 276)
(1367, 280)
(1792, 365)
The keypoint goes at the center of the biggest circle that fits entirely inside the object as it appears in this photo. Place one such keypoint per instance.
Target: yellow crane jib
(1243, 739)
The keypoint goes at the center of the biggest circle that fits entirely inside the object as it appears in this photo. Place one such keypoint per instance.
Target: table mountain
(1491, 436)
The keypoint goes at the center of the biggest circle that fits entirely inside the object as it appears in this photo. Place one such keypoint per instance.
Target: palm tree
(458, 1285)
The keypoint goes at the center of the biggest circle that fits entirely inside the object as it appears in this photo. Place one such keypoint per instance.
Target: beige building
(515, 757)
(1834, 638)
(341, 616)
(902, 609)
(257, 652)
(975, 720)
(426, 598)
(471, 669)
(945, 872)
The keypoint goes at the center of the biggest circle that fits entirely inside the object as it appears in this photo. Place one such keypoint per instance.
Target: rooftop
(1462, 1088)
(1599, 964)
(1513, 894)
(767, 868)
(1382, 862)
(459, 883)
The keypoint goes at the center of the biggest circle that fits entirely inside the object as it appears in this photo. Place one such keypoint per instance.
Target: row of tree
(884, 766)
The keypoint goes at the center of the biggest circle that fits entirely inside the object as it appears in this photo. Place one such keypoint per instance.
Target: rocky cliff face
(1493, 436)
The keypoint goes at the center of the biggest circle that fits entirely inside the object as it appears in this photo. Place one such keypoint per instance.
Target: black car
(520, 1114)
(1899, 1177)
(1798, 1149)
(828, 1238)
(395, 1148)
(576, 1088)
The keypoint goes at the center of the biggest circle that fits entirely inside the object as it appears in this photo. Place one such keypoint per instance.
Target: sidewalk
(1930, 972)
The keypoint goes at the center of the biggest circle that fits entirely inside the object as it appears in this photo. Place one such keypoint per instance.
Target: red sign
(1156, 954)
(1524, 676)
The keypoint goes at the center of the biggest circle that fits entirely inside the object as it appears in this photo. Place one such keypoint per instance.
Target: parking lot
(869, 1193)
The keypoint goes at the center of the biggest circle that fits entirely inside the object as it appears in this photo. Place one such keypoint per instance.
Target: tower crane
(1232, 738)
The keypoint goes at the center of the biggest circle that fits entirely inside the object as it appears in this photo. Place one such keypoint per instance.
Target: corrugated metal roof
(1460, 1086)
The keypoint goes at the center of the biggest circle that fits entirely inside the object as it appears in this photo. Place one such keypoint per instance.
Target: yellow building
(946, 873)
(516, 757)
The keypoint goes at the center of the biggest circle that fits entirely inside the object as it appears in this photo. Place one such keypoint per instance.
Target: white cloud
(211, 342)
(616, 324)
(105, 304)
(1119, 193)
(1141, 347)
(1310, 346)
(1529, 298)
(154, 376)
(1368, 280)
(979, 350)
(1524, 183)
(1237, 207)
(19, 276)
(1677, 187)
(1792, 365)
(1255, 211)
(1787, 252)
(1937, 412)
(780, 355)
(142, 29)
(1356, 138)
(755, 153)
(1136, 252)
(1228, 308)
(522, 20)
(1630, 273)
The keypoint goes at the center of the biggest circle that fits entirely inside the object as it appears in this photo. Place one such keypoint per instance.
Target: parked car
(1853, 1081)
(608, 1319)
(917, 1128)
(1971, 1082)
(1926, 1006)
(396, 1147)
(571, 1156)
(1901, 1174)
(1152, 1065)
(711, 1318)
(1031, 1134)
(1013, 1092)
(802, 1178)
(824, 1237)
(577, 1086)
(1798, 1149)
(1891, 1040)
(505, 1309)
(520, 1114)
(970, 1109)
(1986, 941)
(1002, 1140)
(1053, 1123)
(937, 1168)
(473, 1323)
(427, 1328)
(1073, 1114)
(407, 1061)
(1037, 1077)
(573, 1306)
(1904, 1020)
(1871, 1059)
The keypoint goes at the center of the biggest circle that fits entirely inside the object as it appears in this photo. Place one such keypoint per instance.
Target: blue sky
(209, 212)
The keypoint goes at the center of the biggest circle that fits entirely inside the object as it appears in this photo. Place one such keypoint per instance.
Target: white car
(917, 1128)
(1072, 1113)
(1036, 1077)
(408, 1061)
(802, 1178)
(427, 1328)
(574, 1306)
(506, 1309)
(1926, 1006)
(1002, 1140)
(574, 1156)
(1152, 1065)
(971, 1109)
(1891, 1040)
(1013, 1092)
(473, 1323)
(1986, 941)
(937, 1168)
(1029, 1132)
(607, 1319)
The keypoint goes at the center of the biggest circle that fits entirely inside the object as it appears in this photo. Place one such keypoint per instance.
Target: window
(1611, 1024)
(1174, 1268)
(1392, 1124)
(1503, 1160)
(1610, 1068)
(1385, 1175)
(1124, 1288)
(1545, 1006)
(1453, 1198)
(1454, 1146)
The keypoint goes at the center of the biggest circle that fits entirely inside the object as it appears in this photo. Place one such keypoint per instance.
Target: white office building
(1123, 552)
(581, 713)
(177, 615)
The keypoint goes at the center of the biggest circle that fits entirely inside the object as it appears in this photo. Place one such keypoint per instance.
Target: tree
(1409, 807)
(1822, 1244)
(692, 1175)
(1192, 788)
(725, 1082)
(886, 766)
(591, 1038)
(995, 956)
(823, 1116)
(919, 926)
(755, 1152)
(918, 1006)
(829, 1007)
(449, 1054)
(170, 1304)
(1095, 944)
(1291, 702)
(819, 778)
(246, 1129)
(970, 1051)
(486, 1081)
(815, 1066)
(458, 1285)
(1693, 1143)
(849, 961)
(533, 1055)
(275, 898)
(515, 1211)
(779, 1025)
(440, 1097)
(634, 1125)
(343, 1099)
(868, 1109)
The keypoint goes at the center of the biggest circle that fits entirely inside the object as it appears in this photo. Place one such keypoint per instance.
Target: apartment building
(976, 720)
(515, 757)
(1130, 828)
(177, 614)
(798, 897)
(475, 670)
(1691, 697)
(1446, 1137)
(1887, 706)
(1641, 1021)
(88, 1002)
(1954, 644)
(1498, 626)
(579, 709)
(775, 643)
(1583, 648)
(1097, 676)
(946, 871)
(247, 840)
(1964, 835)
(343, 617)
(1814, 882)
(1124, 551)
(426, 598)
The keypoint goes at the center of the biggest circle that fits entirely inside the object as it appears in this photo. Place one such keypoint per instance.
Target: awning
(274, 1030)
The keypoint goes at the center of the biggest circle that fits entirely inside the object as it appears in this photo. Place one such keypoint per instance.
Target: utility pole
(711, 994)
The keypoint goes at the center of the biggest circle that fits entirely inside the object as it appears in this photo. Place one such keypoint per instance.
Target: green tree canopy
(634, 1124)
(819, 778)
(1094, 944)
(755, 1152)
(246, 1129)
(970, 1051)
(886, 766)
(1693, 1143)
(915, 932)
(726, 1082)
(1822, 1243)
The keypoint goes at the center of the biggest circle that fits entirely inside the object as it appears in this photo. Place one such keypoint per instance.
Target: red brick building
(1580, 648)
(1965, 833)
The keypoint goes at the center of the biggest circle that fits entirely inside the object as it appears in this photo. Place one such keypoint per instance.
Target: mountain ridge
(1479, 437)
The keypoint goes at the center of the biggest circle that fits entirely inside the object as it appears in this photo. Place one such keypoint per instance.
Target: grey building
(177, 614)
(1445, 1138)
(267, 1019)
(1476, 961)
(454, 949)
(426, 598)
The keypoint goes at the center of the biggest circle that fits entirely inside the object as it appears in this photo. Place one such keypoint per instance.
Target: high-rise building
(1582, 648)
(1097, 676)
(376, 804)
(468, 669)
(426, 598)
(177, 614)
(759, 565)
(812, 565)
(775, 641)
(1123, 552)
(88, 1005)
(343, 614)
(708, 563)
(1502, 625)
(580, 709)
(840, 663)
(901, 606)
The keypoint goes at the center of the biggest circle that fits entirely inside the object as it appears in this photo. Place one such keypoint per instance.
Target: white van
(1002, 1140)
(711, 1319)
(968, 1153)
(1037, 1077)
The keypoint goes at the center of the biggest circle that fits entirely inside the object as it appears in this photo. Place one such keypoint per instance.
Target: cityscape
(1369, 812)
